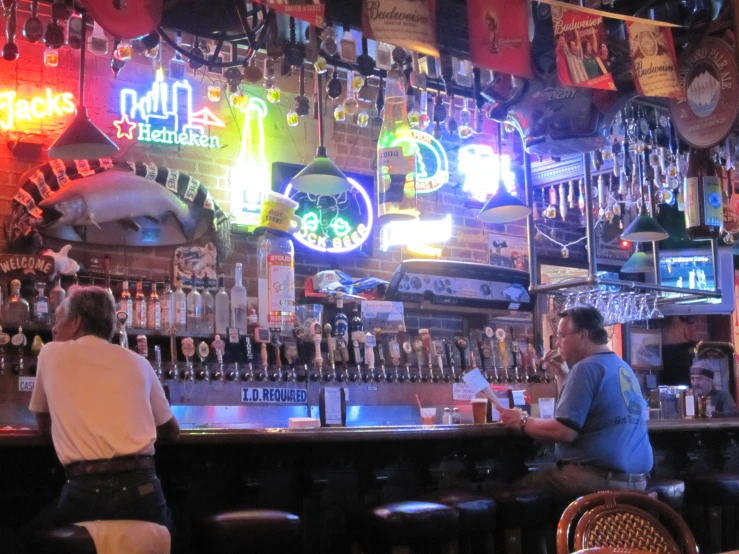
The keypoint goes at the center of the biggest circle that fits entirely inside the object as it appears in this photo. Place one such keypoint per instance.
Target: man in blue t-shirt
(601, 438)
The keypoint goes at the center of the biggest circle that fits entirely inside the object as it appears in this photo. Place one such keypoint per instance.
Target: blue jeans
(133, 495)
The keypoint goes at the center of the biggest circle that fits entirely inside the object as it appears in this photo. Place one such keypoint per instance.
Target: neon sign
(14, 110)
(164, 115)
(250, 174)
(431, 162)
(416, 234)
(480, 166)
(334, 224)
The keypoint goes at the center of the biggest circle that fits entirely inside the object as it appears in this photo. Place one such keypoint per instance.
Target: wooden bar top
(234, 435)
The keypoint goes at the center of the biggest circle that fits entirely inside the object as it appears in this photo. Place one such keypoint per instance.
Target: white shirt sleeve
(159, 405)
(39, 402)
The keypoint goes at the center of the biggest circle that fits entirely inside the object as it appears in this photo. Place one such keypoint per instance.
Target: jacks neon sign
(334, 224)
(164, 115)
(14, 110)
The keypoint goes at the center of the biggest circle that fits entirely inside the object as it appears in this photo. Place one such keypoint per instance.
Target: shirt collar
(89, 339)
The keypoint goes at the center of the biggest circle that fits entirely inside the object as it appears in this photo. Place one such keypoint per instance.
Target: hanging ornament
(234, 78)
(214, 93)
(355, 81)
(328, 41)
(320, 65)
(348, 47)
(363, 118)
(334, 90)
(465, 118)
(10, 49)
(177, 64)
(539, 237)
(292, 118)
(340, 112)
(274, 94)
(351, 105)
(51, 57)
(302, 103)
(551, 211)
(33, 29)
(414, 114)
(451, 123)
(196, 54)
(565, 253)
(424, 120)
(239, 100)
(123, 51)
(252, 73)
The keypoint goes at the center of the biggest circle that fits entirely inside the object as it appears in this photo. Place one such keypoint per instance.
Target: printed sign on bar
(312, 11)
(26, 384)
(406, 23)
(273, 395)
(499, 35)
(583, 56)
(653, 60)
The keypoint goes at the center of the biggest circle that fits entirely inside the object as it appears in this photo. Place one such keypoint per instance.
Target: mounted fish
(97, 202)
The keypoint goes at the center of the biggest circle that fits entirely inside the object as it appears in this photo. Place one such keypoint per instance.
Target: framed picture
(645, 348)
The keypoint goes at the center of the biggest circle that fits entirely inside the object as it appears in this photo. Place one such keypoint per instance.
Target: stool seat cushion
(256, 529)
(669, 491)
(476, 511)
(407, 523)
(717, 489)
(70, 539)
(523, 508)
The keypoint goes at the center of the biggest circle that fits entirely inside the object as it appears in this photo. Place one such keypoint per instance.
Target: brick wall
(351, 147)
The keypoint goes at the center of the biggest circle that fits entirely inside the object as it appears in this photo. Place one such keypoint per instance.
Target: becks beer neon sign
(14, 110)
(164, 115)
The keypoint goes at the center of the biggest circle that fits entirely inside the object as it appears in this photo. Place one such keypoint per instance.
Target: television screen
(337, 224)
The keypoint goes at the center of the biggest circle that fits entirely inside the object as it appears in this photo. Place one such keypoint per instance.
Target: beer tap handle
(316, 332)
(461, 345)
(418, 348)
(405, 345)
(380, 351)
(369, 350)
(500, 335)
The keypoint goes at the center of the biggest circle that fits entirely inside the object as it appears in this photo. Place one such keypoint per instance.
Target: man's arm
(43, 421)
(549, 430)
(169, 431)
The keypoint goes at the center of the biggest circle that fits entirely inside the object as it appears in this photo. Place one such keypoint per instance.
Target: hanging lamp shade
(321, 176)
(503, 207)
(82, 140)
(644, 229)
(639, 262)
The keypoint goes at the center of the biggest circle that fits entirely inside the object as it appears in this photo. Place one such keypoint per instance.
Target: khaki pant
(570, 481)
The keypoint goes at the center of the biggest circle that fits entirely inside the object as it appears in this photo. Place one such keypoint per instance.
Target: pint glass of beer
(479, 410)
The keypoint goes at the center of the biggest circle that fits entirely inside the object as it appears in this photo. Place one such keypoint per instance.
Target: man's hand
(553, 363)
(511, 418)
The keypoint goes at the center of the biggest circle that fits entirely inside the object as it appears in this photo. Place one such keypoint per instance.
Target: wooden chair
(623, 520)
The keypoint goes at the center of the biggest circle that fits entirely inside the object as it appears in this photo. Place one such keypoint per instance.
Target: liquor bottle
(56, 297)
(238, 302)
(106, 269)
(222, 308)
(41, 305)
(703, 200)
(16, 309)
(194, 311)
(75, 286)
(396, 158)
(180, 308)
(276, 279)
(126, 304)
(154, 310)
(340, 323)
(139, 307)
(166, 304)
(208, 312)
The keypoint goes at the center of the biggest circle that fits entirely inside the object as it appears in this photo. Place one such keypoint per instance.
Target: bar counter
(221, 434)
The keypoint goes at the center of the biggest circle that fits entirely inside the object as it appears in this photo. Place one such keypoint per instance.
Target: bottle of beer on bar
(703, 201)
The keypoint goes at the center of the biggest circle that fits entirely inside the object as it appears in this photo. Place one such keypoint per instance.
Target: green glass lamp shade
(644, 229)
(639, 262)
(82, 140)
(321, 176)
(503, 207)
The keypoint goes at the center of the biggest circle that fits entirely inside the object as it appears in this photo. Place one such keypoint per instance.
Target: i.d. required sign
(273, 395)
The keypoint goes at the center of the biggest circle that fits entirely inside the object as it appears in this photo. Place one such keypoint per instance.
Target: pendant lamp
(82, 140)
(639, 262)
(321, 176)
(502, 207)
(644, 229)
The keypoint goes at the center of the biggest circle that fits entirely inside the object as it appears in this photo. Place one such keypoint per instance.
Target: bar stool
(476, 518)
(526, 519)
(415, 527)
(70, 539)
(253, 531)
(712, 511)
(669, 491)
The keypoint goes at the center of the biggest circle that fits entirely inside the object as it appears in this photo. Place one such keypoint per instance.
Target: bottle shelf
(131, 332)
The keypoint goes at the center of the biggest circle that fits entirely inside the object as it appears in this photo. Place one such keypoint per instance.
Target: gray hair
(96, 310)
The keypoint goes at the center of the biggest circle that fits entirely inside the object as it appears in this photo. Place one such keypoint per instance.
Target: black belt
(609, 474)
(120, 464)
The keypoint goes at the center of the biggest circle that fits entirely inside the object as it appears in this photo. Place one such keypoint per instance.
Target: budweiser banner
(312, 11)
(499, 31)
(406, 23)
(653, 60)
(583, 56)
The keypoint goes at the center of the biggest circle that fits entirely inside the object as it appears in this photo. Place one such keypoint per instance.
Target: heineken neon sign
(334, 224)
(432, 164)
(164, 115)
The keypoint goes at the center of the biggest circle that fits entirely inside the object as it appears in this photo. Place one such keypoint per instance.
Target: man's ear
(77, 326)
